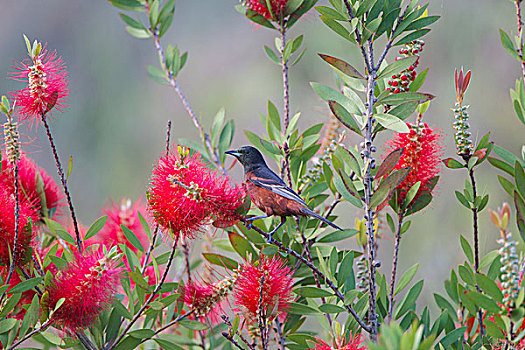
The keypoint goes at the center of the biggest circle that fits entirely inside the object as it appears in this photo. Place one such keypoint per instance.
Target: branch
(29, 335)
(331, 284)
(394, 266)
(520, 46)
(160, 330)
(227, 321)
(172, 81)
(391, 39)
(151, 297)
(63, 181)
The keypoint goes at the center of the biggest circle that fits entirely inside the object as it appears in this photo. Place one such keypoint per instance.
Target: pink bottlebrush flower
(87, 284)
(269, 277)
(7, 227)
(423, 148)
(124, 213)
(278, 8)
(341, 343)
(47, 85)
(184, 194)
(205, 298)
(37, 187)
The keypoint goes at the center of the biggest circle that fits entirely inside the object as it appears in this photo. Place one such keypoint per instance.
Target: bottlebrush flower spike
(123, 213)
(7, 228)
(47, 84)
(37, 187)
(276, 11)
(87, 284)
(184, 195)
(263, 288)
(341, 343)
(205, 298)
(423, 148)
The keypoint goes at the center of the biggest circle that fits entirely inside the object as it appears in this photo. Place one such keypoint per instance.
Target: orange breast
(271, 203)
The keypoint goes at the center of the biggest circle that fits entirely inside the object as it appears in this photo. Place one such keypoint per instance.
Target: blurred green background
(115, 126)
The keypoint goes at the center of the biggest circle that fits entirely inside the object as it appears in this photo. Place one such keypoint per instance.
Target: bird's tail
(317, 216)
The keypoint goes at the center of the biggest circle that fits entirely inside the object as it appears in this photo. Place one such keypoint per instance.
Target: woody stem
(285, 166)
(394, 265)
(63, 181)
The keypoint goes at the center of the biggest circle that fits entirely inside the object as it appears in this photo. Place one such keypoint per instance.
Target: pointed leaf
(344, 117)
(387, 186)
(342, 66)
(397, 66)
(389, 163)
(395, 99)
(389, 121)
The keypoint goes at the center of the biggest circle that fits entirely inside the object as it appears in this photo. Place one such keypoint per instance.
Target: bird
(269, 192)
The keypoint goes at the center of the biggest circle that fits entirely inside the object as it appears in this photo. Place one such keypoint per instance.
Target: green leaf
(216, 126)
(128, 5)
(467, 249)
(409, 300)
(226, 137)
(193, 325)
(344, 117)
(132, 238)
(418, 82)
(391, 122)
(451, 163)
(461, 198)
(508, 45)
(167, 344)
(397, 66)
(422, 22)
(389, 163)
(220, 260)
(342, 66)
(337, 28)
(406, 279)
(344, 191)
(26, 285)
(338, 236)
(388, 186)
(501, 165)
(452, 337)
(519, 175)
(312, 292)
(520, 214)
(489, 286)
(329, 94)
(412, 36)
(157, 74)
(138, 33)
(331, 308)
(241, 245)
(131, 22)
(396, 99)
(7, 325)
(302, 309)
(483, 301)
(60, 231)
(273, 115)
(96, 227)
(271, 55)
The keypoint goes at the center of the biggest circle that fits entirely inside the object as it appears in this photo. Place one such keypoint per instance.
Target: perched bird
(268, 191)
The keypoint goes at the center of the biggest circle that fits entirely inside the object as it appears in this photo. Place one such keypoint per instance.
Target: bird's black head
(249, 156)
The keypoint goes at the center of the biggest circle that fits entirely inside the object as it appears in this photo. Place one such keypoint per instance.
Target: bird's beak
(234, 153)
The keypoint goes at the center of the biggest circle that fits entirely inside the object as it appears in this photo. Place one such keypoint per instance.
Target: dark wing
(266, 178)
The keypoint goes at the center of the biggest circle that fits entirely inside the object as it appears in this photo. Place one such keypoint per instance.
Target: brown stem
(279, 332)
(157, 227)
(394, 266)
(29, 335)
(172, 81)
(63, 181)
(186, 252)
(329, 282)
(227, 321)
(520, 46)
(285, 166)
(151, 297)
(160, 330)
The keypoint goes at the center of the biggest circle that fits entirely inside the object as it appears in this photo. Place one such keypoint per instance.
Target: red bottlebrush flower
(273, 277)
(278, 8)
(7, 228)
(184, 194)
(341, 343)
(423, 148)
(87, 285)
(125, 213)
(37, 187)
(205, 298)
(47, 87)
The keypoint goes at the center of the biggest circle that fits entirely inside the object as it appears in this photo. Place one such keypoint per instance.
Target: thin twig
(520, 46)
(186, 252)
(261, 318)
(151, 297)
(63, 181)
(279, 331)
(231, 340)
(394, 265)
(29, 335)
(226, 320)
(156, 231)
(329, 282)
(391, 39)
(168, 325)
(172, 81)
